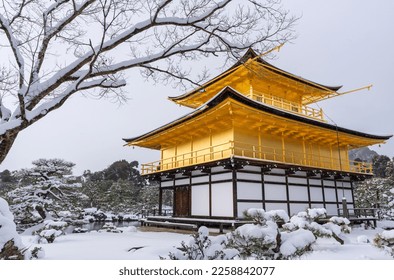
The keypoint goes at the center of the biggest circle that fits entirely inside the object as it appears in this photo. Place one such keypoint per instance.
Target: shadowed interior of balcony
(263, 153)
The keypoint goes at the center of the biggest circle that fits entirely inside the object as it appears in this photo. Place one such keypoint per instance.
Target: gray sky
(347, 43)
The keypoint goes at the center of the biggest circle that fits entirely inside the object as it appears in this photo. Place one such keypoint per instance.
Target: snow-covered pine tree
(378, 192)
(50, 190)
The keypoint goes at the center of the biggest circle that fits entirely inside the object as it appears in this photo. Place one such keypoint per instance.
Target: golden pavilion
(253, 141)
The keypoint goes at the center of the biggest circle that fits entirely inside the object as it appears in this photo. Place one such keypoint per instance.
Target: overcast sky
(347, 43)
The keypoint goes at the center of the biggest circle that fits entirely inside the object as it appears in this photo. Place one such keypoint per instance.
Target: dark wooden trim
(235, 194)
(322, 189)
(336, 193)
(222, 181)
(309, 192)
(263, 187)
(275, 183)
(287, 194)
(210, 194)
(160, 199)
(173, 197)
(352, 191)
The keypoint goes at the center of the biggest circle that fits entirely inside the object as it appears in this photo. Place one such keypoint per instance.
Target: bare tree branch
(63, 47)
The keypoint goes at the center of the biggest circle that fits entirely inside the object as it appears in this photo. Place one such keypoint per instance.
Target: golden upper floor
(261, 81)
(231, 124)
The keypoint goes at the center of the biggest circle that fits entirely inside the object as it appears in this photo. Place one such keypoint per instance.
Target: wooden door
(182, 201)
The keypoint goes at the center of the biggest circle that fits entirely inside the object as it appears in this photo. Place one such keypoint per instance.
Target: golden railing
(287, 105)
(272, 154)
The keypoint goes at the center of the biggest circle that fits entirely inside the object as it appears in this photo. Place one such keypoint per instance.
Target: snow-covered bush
(109, 227)
(50, 231)
(260, 240)
(270, 236)
(385, 240)
(35, 253)
(309, 221)
(202, 247)
(11, 247)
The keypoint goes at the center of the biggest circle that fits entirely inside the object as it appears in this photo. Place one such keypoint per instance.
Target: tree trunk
(6, 144)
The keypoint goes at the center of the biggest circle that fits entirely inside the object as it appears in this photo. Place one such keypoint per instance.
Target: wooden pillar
(259, 143)
(304, 149)
(287, 194)
(309, 191)
(283, 148)
(344, 208)
(235, 195)
(160, 198)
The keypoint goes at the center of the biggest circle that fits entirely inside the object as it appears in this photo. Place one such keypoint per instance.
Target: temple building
(253, 141)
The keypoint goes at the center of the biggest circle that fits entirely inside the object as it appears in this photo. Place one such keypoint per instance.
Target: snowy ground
(116, 246)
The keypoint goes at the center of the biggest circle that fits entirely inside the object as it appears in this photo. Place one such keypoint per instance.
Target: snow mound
(7, 226)
(362, 239)
(388, 235)
(296, 242)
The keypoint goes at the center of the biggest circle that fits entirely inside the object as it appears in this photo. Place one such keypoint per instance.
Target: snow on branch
(63, 47)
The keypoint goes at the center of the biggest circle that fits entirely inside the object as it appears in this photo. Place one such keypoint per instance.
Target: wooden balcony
(287, 105)
(268, 154)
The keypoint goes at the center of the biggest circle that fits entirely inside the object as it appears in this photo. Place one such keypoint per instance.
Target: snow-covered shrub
(264, 240)
(203, 247)
(270, 236)
(260, 240)
(309, 221)
(296, 243)
(35, 253)
(109, 227)
(50, 231)
(80, 230)
(11, 247)
(385, 240)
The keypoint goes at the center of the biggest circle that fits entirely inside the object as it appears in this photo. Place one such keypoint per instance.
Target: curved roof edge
(250, 54)
(229, 92)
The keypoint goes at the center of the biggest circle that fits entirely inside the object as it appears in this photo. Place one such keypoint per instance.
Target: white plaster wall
(348, 195)
(331, 209)
(345, 184)
(224, 176)
(296, 208)
(329, 195)
(185, 181)
(200, 200)
(222, 199)
(242, 206)
(298, 193)
(275, 206)
(249, 176)
(317, 205)
(271, 178)
(252, 168)
(278, 171)
(217, 169)
(329, 183)
(202, 179)
(275, 192)
(316, 182)
(167, 184)
(196, 172)
(297, 180)
(316, 194)
(300, 173)
(249, 190)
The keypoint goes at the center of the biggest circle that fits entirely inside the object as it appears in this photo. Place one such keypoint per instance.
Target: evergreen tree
(378, 192)
(51, 190)
(379, 164)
